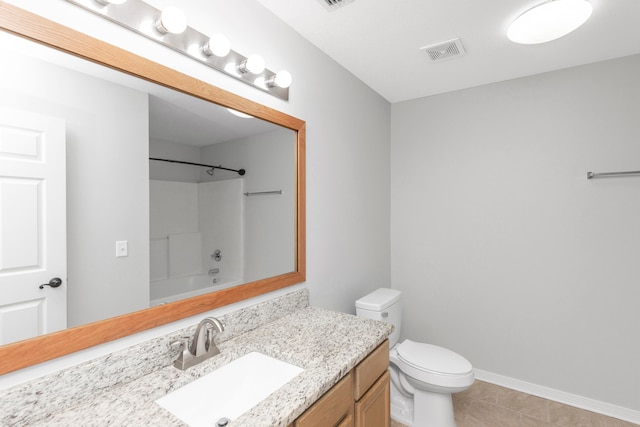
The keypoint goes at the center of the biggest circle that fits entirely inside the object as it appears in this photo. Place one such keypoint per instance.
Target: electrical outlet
(122, 248)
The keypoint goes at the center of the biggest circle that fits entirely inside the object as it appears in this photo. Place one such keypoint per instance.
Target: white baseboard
(592, 405)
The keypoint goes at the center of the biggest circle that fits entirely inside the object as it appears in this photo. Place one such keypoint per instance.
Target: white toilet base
(423, 409)
(433, 409)
(401, 407)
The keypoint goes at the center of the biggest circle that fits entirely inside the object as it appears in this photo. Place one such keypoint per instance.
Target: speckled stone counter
(325, 343)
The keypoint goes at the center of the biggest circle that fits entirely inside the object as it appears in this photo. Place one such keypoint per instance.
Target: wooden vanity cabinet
(371, 389)
(334, 408)
(373, 409)
(360, 399)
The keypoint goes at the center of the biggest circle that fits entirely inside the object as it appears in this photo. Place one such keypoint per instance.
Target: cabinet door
(370, 369)
(334, 408)
(373, 410)
(349, 420)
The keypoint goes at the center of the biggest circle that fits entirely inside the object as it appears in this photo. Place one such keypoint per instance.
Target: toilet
(423, 376)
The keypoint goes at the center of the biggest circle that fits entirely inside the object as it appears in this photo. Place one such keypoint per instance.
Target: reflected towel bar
(610, 174)
(263, 192)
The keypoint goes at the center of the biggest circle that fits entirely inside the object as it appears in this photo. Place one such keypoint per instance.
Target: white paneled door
(32, 225)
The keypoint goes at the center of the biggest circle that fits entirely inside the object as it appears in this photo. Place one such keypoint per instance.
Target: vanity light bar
(144, 19)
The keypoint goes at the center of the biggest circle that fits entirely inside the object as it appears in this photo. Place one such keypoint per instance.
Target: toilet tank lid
(379, 299)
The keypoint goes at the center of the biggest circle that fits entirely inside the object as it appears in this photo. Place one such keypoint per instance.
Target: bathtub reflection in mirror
(216, 227)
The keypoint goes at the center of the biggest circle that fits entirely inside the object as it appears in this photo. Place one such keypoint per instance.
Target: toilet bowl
(423, 376)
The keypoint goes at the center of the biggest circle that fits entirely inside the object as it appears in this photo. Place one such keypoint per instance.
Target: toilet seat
(433, 364)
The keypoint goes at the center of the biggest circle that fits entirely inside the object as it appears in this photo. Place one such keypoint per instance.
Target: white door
(32, 225)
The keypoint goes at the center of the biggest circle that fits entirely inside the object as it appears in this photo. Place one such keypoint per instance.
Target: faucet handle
(184, 356)
(203, 338)
(181, 343)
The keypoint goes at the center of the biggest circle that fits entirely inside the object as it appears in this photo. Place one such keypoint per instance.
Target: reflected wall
(107, 181)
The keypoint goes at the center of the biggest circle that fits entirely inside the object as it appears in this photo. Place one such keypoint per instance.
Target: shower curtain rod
(239, 171)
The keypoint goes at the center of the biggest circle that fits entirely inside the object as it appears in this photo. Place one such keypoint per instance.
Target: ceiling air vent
(444, 50)
(334, 4)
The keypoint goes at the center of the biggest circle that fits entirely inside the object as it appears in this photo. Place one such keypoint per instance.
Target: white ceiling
(379, 40)
(183, 119)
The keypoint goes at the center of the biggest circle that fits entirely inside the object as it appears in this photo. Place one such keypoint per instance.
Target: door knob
(54, 283)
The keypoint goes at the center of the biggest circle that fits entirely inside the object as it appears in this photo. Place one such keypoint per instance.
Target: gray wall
(268, 220)
(502, 248)
(347, 135)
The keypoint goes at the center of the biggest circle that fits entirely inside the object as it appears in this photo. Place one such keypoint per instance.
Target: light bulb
(283, 79)
(172, 21)
(253, 64)
(549, 21)
(217, 45)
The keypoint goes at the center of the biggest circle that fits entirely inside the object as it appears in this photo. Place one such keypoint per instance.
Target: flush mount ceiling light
(169, 27)
(549, 21)
(239, 114)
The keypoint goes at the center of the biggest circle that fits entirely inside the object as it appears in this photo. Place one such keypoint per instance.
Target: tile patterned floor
(488, 405)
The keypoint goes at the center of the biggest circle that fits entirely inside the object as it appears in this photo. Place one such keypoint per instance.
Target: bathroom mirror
(169, 95)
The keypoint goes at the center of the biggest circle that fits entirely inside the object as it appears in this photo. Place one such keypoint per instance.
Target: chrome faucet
(201, 346)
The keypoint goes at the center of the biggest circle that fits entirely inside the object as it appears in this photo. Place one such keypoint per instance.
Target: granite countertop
(326, 344)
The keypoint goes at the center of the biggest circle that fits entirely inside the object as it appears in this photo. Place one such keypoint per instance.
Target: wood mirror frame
(29, 352)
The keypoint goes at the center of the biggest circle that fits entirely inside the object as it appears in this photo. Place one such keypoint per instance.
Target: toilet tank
(382, 304)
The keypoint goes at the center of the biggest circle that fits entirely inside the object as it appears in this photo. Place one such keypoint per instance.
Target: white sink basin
(229, 391)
